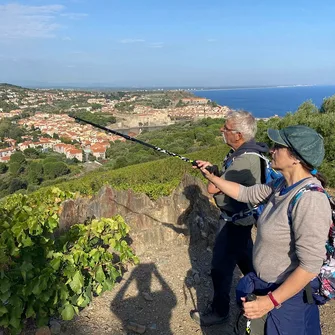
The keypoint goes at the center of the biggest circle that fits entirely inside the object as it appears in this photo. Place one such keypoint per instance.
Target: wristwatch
(274, 301)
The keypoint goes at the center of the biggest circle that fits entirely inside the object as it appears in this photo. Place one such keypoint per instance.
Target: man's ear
(239, 137)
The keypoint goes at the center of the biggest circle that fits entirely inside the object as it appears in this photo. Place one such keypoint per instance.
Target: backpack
(326, 276)
(268, 174)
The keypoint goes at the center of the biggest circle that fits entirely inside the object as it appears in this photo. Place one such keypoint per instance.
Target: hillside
(9, 86)
(68, 243)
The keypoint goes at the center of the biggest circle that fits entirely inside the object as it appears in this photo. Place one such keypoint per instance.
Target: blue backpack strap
(278, 182)
(298, 195)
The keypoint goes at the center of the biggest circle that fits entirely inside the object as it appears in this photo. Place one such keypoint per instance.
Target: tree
(35, 173)
(180, 104)
(55, 169)
(212, 103)
(96, 106)
(328, 105)
(11, 130)
(307, 108)
(15, 168)
(3, 168)
(55, 136)
(16, 184)
(91, 157)
(17, 157)
(31, 153)
(66, 140)
(50, 159)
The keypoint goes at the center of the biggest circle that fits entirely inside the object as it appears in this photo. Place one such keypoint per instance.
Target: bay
(269, 101)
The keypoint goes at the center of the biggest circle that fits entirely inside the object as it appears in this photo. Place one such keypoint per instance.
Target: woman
(287, 255)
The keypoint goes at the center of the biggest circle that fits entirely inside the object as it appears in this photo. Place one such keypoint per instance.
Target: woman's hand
(257, 308)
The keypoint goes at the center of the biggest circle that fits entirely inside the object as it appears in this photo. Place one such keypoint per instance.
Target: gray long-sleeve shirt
(279, 249)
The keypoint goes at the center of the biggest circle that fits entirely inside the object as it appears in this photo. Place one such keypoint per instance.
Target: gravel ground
(156, 297)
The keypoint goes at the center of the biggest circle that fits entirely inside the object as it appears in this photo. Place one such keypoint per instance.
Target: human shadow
(199, 223)
(151, 306)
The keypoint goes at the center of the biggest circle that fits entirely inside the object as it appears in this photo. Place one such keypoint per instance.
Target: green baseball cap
(304, 141)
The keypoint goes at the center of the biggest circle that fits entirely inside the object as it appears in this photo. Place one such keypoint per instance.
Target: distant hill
(7, 86)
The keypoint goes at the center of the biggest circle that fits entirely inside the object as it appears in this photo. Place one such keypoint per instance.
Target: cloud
(211, 40)
(132, 40)
(156, 45)
(22, 21)
(75, 16)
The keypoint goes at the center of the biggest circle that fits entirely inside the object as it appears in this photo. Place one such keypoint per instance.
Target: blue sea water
(266, 102)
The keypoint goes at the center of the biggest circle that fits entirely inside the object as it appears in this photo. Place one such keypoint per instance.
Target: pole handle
(251, 297)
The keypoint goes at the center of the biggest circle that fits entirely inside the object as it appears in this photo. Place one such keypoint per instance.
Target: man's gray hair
(244, 123)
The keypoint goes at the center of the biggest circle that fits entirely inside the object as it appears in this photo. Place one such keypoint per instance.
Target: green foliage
(15, 169)
(100, 118)
(50, 159)
(125, 106)
(16, 184)
(31, 153)
(3, 168)
(154, 179)
(17, 157)
(43, 275)
(7, 106)
(180, 138)
(212, 103)
(180, 103)
(17, 163)
(306, 109)
(96, 106)
(35, 172)
(11, 130)
(55, 169)
(328, 105)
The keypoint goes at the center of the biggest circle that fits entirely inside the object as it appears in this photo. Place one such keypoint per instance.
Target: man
(233, 245)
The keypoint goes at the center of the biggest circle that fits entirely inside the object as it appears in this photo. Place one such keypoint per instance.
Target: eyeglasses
(224, 128)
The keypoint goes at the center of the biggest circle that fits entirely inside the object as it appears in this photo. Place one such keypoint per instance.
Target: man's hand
(206, 168)
(257, 308)
(201, 164)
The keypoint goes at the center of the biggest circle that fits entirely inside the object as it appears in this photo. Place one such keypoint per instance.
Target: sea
(269, 101)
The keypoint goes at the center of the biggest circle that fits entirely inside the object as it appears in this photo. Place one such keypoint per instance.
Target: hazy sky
(167, 43)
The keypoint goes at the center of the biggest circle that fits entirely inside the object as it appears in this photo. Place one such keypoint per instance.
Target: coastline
(253, 88)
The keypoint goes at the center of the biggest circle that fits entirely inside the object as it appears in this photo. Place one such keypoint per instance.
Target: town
(47, 110)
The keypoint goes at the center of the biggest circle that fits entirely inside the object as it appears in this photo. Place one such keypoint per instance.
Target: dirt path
(158, 295)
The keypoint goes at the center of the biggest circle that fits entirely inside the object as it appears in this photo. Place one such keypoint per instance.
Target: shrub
(41, 275)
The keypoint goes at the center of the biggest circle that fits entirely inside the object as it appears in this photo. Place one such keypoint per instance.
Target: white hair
(244, 123)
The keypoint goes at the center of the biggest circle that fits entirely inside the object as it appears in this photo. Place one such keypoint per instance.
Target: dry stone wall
(187, 215)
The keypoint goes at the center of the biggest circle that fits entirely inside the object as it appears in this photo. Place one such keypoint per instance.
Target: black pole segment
(163, 151)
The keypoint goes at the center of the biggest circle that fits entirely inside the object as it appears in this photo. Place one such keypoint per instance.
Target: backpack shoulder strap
(268, 173)
(245, 153)
(279, 183)
(256, 154)
(298, 195)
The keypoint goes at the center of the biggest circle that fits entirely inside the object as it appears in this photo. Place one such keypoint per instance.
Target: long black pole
(163, 151)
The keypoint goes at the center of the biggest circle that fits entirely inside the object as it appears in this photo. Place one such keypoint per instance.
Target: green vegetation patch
(45, 274)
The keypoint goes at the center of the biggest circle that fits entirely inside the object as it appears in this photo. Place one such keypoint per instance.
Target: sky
(175, 43)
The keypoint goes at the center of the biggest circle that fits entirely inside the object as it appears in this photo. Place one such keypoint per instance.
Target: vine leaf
(67, 312)
(77, 282)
